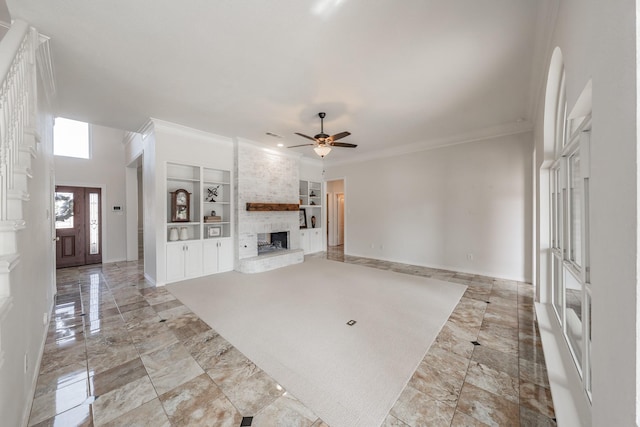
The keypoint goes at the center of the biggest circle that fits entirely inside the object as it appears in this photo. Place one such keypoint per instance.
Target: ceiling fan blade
(301, 145)
(305, 136)
(343, 144)
(340, 135)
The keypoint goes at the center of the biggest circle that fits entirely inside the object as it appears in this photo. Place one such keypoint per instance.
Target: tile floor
(120, 352)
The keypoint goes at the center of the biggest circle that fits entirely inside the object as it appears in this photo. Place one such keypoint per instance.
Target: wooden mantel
(271, 207)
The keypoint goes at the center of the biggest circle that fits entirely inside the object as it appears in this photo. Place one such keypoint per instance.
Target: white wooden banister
(17, 99)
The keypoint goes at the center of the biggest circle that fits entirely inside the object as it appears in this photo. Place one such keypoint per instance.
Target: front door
(78, 223)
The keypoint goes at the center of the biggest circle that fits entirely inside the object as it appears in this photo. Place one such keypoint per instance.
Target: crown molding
(129, 137)
(178, 129)
(479, 135)
(146, 129)
(259, 146)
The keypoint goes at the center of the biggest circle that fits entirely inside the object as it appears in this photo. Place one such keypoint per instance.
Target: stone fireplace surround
(265, 177)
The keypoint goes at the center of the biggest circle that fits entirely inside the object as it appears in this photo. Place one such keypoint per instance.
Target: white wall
(32, 287)
(436, 207)
(598, 42)
(105, 169)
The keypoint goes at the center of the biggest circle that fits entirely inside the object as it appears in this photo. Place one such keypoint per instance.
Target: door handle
(56, 239)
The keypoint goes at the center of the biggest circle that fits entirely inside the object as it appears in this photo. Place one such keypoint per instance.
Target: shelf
(175, 178)
(215, 183)
(217, 203)
(184, 224)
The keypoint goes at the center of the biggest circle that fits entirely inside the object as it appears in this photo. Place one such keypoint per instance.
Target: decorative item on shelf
(312, 203)
(300, 201)
(313, 221)
(212, 194)
(213, 213)
(303, 218)
(214, 231)
(180, 206)
(312, 194)
(184, 233)
(173, 234)
(213, 218)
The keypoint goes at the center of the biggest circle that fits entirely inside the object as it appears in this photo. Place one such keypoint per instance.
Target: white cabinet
(184, 260)
(315, 240)
(304, 240)
(311, 240)
(218, 256)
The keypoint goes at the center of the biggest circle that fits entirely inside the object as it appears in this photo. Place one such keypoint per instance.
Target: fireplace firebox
(272, 242)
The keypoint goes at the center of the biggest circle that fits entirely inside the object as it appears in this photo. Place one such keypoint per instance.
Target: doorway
(336, 213)
(340, 219)
(78, 223)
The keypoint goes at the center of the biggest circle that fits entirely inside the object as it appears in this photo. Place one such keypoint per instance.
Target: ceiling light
(322, 150)
(280, 144)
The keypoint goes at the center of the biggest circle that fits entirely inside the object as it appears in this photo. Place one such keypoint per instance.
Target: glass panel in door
(94, 224)
(64, 210)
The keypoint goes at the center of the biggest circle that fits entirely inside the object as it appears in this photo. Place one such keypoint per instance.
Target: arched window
(569, 215)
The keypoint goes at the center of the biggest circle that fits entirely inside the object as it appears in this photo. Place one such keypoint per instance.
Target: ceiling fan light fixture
(322, 150)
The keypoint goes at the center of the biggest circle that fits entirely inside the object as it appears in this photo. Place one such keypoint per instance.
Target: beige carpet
(291, 322)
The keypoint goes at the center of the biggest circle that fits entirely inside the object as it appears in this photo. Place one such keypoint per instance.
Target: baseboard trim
(36, 371)
(449, 268)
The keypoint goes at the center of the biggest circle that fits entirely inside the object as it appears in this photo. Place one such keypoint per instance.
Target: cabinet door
(210, 257)
(175, 262)
(193, 259)
(315, 240)
(304, 241)
(225, 255)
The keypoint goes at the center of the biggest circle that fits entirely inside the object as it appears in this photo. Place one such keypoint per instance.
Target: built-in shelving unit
(202, 244)
(184, 177)
(216, 193)
(311, 201)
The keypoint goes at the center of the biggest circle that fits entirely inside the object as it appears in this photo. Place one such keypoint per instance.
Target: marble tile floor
(120, 352)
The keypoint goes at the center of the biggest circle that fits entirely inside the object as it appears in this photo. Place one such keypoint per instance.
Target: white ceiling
(393, 73)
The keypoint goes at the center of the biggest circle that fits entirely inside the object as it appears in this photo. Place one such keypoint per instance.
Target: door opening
(340, 218)
(78, 226)
(336, 213)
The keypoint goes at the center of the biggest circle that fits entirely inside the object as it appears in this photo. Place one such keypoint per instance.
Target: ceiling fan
(322, 142)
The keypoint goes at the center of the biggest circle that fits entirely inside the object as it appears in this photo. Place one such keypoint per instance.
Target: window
(569, 227)
(70, 138)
